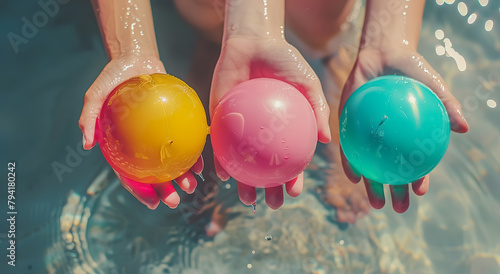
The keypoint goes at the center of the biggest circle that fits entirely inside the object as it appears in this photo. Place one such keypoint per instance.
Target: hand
(117, 71)
(372, 63)
(243, 59)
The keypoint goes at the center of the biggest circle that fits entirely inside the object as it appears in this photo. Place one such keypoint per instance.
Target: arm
(388, 45)
(129, 38)
(392, 24)
(126, 27)
(128, 34)
(256, 18)
(254, 46)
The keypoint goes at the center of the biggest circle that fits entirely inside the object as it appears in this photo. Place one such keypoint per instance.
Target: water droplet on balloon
(355, 156)
(261, 127)
(286, 157)
(286, 148)
(234, 132)
(283, 140)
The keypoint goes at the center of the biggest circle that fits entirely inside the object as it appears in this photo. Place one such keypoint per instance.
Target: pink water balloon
(264, 132)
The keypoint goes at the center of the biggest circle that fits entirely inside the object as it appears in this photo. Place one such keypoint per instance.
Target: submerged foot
(350, 200)
(218, 221)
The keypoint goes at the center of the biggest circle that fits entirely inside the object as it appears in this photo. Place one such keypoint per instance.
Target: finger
(94, 98)
(295, 186)
(111, 76)
(375, 193)
(247, 193)
(421, 185)
(400, 197)
(144, 193)
(221, 173)
(312, 90)
(424, 73)
(349, 171)
(197, 168)
(187, 182)
(167, 194)
(309, 85)
(274, 197)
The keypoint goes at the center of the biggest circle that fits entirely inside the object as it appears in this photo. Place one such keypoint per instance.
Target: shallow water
(83, 221)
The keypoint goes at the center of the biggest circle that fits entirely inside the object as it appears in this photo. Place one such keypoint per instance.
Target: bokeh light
(488, 26)
(439, 34)
(462, 9)
(472, 18)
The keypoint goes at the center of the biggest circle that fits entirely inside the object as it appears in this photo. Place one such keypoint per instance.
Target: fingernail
(172, 200)
(186, 185)
(459, 111)
(152, 206)
(461, 125)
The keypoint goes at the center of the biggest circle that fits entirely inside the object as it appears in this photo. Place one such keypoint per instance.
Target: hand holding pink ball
(264, 132)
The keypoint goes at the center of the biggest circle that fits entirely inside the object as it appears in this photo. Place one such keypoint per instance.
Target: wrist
(392, 24)
(254, 19)
(129, 53)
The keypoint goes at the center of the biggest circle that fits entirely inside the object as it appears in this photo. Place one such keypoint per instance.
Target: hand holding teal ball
(373, 61)
(394, 130)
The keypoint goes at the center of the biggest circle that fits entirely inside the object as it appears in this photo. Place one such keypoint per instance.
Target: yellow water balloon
(152, 128)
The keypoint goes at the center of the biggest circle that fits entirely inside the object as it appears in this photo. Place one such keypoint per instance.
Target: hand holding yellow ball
(152, 128)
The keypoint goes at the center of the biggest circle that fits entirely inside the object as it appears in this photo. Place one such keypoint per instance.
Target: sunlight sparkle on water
(439, 34)
(440, 50)
(491, 103)
(459, 59)
(483, 2)
(472, 18)
(462, 8)
(488, 25)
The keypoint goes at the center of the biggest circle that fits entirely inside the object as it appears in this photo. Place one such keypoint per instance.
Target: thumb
(312, 90)
(223, 80)
(94, 99)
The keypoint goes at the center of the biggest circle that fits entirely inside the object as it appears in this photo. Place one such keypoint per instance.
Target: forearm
(393, 23)
(126, 27)
(254, 18)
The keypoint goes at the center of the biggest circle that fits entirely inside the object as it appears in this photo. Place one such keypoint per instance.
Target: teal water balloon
(394, 130)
